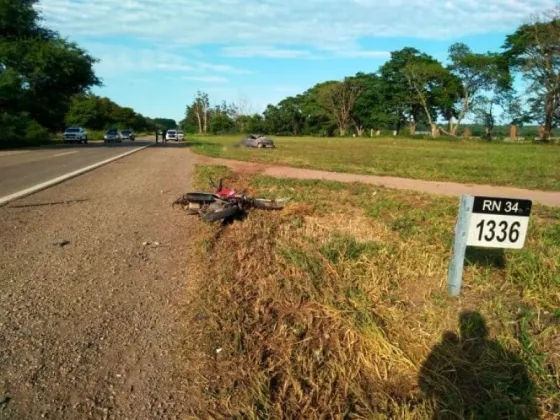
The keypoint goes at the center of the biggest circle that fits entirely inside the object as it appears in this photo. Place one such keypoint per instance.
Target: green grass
(532, 166)
(337, 307)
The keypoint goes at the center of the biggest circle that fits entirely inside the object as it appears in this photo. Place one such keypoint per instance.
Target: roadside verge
(452, 189)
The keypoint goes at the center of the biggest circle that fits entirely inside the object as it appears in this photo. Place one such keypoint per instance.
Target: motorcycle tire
(195, 197)
(221, 214)
(267, 204)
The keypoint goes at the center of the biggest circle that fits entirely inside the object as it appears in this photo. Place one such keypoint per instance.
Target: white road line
(64, 154)
(44, 185)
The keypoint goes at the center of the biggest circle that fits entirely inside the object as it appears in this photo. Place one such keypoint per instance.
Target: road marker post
(487, 222)
(455, 276)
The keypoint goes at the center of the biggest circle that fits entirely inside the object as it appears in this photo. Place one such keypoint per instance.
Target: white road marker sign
(488, 222)
(499, 222)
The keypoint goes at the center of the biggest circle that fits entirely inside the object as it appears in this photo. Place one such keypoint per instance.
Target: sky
(154, 55)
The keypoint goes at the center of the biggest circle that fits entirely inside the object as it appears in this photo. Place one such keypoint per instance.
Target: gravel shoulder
(92, 328)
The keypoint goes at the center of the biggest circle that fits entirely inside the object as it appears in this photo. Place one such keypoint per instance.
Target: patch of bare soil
(94, 291)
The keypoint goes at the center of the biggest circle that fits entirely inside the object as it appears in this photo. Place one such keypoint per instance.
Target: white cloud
(314, 23)
(118, 59)
(264, 51)
(336, 51)
(206, 79)
(222, 68)
(342, 51)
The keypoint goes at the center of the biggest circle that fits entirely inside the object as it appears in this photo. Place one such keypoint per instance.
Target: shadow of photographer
(473, 377)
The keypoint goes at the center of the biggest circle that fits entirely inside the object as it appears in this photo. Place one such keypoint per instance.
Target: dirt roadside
(92, 328)
(548, 198)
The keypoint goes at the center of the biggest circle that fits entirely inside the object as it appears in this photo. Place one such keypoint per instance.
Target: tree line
(413, 90)
(45, 82)
(97, 113)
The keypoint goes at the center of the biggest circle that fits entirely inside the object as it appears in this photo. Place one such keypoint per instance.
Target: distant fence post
(513, 132)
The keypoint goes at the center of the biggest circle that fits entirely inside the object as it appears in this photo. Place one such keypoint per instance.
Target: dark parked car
(258, 140)
(128, 135)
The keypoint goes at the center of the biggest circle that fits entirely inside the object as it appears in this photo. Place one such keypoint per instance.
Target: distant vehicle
(171, 135)
(180, 135)
(128, 135)
(112, 135)
(258, 140)
(75, 134)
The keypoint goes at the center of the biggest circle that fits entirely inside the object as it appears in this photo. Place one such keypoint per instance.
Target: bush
(18, 130)
(95, 134)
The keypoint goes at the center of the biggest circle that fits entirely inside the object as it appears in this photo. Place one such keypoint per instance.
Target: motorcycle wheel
(221, 214)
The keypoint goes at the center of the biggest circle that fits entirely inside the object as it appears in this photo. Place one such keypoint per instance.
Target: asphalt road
(95, 290)
(20, 169)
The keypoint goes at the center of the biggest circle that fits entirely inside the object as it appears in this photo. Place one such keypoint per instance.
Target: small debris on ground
(201, 317)
(62, 243)
(147, 243)
(5, 399)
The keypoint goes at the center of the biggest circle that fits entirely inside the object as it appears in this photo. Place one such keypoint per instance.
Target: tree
(424, 74)
(200, 105)
(484, 115)
(401, 99)
(286, 118)
(534, 50)
(39, 72)
(243, 105)
(221, 123)
(190, 123)
(478, 73)
(338, 99)
(86, 110)
(446, 94)
(166, 123)
(98, 113)
(255, 124)
(370, 109)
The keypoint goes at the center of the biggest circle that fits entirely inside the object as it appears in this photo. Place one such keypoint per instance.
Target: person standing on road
(163, 134)
(156, 136)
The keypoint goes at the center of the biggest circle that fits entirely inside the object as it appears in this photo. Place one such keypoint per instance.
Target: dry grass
(336, 308)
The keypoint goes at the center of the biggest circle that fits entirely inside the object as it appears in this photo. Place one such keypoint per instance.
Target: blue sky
(155, 54)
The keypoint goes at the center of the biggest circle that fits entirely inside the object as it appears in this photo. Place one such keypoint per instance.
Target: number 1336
(490, 230)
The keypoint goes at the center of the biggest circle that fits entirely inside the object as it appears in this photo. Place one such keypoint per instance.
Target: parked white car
(112, 136)
(75, 134)
(180, 135)
(171, 135)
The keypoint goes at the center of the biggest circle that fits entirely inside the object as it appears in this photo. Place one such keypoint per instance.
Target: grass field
(521, 165)
(336, 307)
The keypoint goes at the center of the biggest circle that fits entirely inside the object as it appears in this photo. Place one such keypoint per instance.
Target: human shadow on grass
(473, 377)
